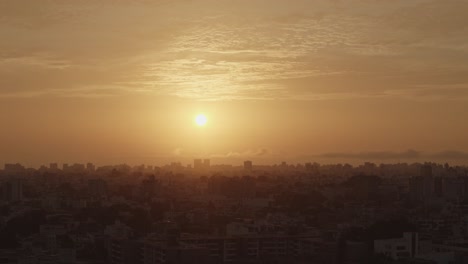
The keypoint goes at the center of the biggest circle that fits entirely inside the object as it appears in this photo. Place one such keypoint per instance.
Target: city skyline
(234, 131)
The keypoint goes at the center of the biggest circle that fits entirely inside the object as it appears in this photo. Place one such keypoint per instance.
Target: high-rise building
(197, 164)
(438, 186)
(14, 168)
(206, 163)
(424, 186)
(90, 167)
(201, 164)
(426, 170)
(97, 187)
(13, 190)
(248, 165)
(53, 166)
(398, 248)
(77, 168)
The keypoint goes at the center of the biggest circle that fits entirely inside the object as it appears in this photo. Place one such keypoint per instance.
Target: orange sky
(335, 81)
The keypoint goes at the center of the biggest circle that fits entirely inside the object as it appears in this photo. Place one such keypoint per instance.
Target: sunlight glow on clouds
(221, 50)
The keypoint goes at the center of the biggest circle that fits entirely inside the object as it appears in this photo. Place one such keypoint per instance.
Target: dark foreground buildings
(312, 213)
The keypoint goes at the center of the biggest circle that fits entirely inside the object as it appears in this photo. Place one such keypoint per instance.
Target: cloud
(450, 155)
(245, 154)
(240, 50)
(409, 155)
(178, 152)
(432, 92)
(379, 155)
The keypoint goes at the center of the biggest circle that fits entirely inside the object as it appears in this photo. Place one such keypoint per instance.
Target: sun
(201, 120)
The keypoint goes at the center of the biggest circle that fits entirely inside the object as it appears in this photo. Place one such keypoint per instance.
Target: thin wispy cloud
(451, 155)
(409, 155)
(309, 50)
(251, 153)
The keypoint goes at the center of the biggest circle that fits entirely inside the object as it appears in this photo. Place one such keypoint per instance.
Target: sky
(298, 80)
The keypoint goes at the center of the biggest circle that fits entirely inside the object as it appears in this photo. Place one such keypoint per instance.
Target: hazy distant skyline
(116, 81)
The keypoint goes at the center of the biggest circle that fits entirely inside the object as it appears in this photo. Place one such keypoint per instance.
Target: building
(158, 252)
(206, 163)
(77, 168)
(425, 170)
(12, 190)
(226, 249)
(97, 187)
(125, 251)
(197, 164)
(424, 187)
(149, 186)
(248, 165)
(14, 168)
(90, 167)
(398, 248)
(53, 166)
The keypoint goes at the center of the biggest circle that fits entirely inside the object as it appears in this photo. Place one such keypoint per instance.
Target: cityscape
(207, 213)
(233, 132)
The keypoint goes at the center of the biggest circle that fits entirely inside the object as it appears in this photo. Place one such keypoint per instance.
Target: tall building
(78, 167)
(12, 190)
(227, 249)
(426, 170)
(206, 163)
(424, 186)
(398, 248)
(197, 164)
(14, 169)
(248, 165)
(97, 187)
(53, 166)
(150, 186)
(90, 167)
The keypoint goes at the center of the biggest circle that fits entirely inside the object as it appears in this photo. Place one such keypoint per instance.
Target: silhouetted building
(97, 187)
(160, 252)
(197, 164)
(426, 170)
(14, 168)
(227, 249)
(53, 166)
(149, 186)
(438, 186)
(125, 251)
(77, 167)
(422, 187)
(12, 190)
(248, 165)
(398, 248)
(206, 163)
(176, 165)
(90, 167)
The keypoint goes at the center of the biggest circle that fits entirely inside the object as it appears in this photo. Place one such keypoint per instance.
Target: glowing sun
(201, 120)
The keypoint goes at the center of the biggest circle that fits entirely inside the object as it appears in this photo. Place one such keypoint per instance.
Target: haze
(122, 81)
